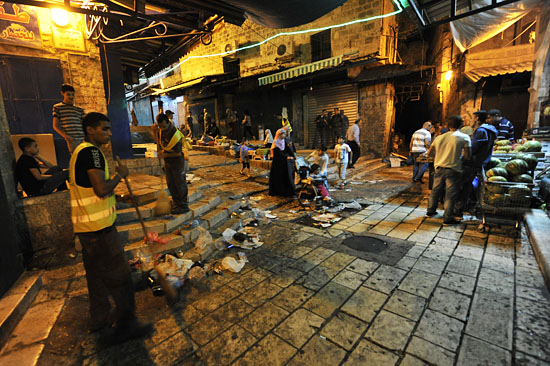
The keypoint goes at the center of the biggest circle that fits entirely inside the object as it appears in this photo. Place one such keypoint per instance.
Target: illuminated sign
(19, 25)
(68, 39)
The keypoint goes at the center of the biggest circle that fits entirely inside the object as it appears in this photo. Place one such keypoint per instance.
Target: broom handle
(135, 205)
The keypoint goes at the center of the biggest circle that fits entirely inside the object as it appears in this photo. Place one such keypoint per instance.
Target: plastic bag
(204, 239)
(232, 264)
(228, 234)
(175, 266)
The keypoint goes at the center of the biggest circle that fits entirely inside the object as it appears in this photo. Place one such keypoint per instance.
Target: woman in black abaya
(281, 177)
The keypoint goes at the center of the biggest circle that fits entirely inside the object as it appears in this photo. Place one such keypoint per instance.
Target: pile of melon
(506, 147)
(516, 170)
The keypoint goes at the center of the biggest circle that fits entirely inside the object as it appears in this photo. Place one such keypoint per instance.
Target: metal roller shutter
(344, 97)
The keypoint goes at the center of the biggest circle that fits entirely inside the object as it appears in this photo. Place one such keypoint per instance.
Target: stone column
(377, 112)
(540, 76)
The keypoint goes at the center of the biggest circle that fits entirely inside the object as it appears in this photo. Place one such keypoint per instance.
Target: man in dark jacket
(505, 128)
(321, 126)
(483, 141)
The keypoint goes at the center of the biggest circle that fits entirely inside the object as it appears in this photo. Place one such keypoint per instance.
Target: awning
(300, 70)
(507, 60)
(179, 86)
(391, 71)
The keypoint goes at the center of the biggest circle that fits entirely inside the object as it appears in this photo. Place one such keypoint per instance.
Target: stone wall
(377, 117)
(363, 38)
(82, 70)
(540, 77)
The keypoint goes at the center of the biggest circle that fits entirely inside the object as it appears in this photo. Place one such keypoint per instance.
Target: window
(320, 46)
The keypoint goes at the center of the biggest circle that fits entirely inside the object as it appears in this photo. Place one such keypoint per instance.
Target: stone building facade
(373, 39)
(43, 223)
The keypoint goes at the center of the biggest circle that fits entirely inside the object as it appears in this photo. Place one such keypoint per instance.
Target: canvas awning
(500, 61)
(300, 70)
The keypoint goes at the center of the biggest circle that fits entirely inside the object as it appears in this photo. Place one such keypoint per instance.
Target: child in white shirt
(341, 157)
(320, 158)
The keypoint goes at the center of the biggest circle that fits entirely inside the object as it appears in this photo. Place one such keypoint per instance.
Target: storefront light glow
(60, 17)
(449, 75)
(356, 21)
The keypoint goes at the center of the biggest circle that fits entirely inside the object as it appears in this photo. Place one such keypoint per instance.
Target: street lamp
(449, 75)
(60, 17)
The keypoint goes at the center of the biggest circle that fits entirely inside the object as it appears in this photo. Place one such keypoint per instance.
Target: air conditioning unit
(230, 46)
(285, 49)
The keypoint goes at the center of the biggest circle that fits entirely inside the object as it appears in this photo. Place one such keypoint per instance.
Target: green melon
(495, 187)
(497, 178)
(519, 148)
(497, 171)
(533, 146)
(493, 162)
(516, 167)
(522, 178)
(496, 199)
(502, 143)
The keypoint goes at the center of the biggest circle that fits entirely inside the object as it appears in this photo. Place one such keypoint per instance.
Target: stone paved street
(435, 295)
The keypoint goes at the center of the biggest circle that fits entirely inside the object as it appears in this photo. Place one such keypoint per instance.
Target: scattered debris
(233, 264)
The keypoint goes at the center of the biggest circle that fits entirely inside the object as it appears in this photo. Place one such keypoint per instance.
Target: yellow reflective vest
(286, 123)
(88, 211)
(176, 137)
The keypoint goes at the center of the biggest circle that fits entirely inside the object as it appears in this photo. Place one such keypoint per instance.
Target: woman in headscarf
(281, 177)
(268, 141)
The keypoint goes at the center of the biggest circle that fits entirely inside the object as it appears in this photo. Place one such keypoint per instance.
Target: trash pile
(191, 265)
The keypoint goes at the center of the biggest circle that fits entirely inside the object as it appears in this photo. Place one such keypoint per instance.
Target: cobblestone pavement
(454, 296)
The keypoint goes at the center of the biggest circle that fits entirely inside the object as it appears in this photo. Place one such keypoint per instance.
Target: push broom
(170, 292)
(162, 206)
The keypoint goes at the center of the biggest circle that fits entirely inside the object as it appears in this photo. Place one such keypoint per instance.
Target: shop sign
(19, 25)
(68, 39)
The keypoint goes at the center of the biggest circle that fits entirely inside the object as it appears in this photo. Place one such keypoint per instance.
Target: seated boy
(28, 173)
(319, 181)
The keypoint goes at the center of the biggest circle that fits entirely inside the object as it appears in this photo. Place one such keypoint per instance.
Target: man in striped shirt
(67, 118)
(420, 143)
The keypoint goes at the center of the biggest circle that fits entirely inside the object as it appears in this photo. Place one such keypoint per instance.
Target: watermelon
(497, 178)
(501, 165)
(502, 142)
(493, 163)
(523, 178)
(516, 167)
(497, 171)
(495, 187)
(519, 148)
(520, 196)
(496, 199)
(504, 148)
(530, 159)
(533, 146)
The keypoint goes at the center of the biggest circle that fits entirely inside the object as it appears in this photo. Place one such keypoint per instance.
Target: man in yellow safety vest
(93, 211)
(170, 149)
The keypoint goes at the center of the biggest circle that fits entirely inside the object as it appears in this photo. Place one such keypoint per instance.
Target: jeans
(419, 168)
(446, 181)
(176, 180)
(107, 273)
(342, 167)
(467, 196)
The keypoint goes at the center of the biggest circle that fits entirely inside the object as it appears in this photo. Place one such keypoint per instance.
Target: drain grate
(366, 244)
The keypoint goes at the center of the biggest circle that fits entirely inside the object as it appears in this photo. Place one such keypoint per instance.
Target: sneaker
(451, 222)
(431, 214)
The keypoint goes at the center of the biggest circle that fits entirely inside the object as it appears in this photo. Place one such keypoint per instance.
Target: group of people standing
(459, 155)
(329, 126)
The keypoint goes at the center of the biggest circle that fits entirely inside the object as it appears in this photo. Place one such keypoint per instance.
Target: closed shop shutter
(344, 97)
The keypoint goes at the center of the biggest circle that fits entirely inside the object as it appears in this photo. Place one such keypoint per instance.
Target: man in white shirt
(449, 149)
(420, 143)
(352, 135)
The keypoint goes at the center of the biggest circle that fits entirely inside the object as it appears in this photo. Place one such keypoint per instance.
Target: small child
(318, 181)
(341, 157)
(244, 158)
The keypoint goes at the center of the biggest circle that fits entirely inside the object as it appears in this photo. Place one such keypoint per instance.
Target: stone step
(369, 170)
(127, 215)
(15, 303)
(34, 327)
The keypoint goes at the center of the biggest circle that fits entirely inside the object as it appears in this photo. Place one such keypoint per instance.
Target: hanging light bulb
(60, 17)
(449, 75)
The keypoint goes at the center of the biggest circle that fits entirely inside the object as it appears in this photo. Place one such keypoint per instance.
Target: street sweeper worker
(170, 149)
(93, 213)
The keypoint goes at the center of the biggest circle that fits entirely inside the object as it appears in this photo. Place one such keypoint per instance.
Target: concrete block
(537, 223)
(199, 208)
(129, 214)
(133, 232)
(177, 221)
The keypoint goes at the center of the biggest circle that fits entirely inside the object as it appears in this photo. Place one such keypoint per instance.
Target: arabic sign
(19, 25)
(68, 39)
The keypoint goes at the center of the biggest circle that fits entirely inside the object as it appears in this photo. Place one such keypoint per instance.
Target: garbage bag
(204, 239)
(232, 264)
